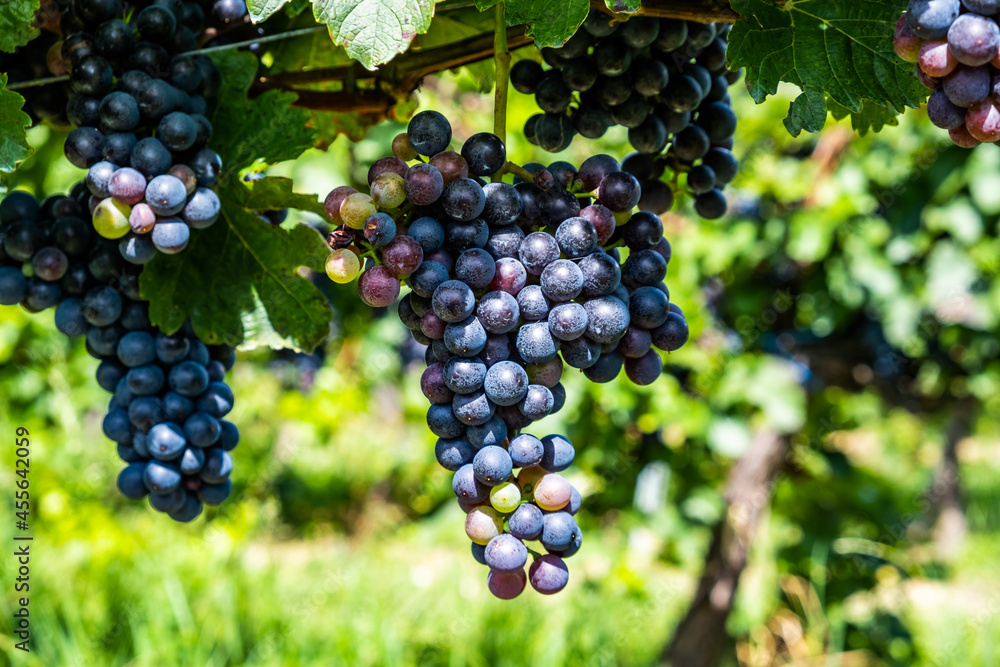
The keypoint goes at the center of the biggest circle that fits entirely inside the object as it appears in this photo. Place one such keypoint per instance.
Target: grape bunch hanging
(956, 46)
(169, 392)
(140, 103)
(509, 282)
(664, 79)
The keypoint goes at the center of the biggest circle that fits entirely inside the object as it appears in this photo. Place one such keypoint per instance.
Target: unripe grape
(402, 148)
(342, 265)
(388, 190)
(482, 524)
(505, 497)
(552, 492)
(528, 478)
(111, 219)
(356, 209)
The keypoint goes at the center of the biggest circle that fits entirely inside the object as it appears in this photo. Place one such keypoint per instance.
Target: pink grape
(378, 287)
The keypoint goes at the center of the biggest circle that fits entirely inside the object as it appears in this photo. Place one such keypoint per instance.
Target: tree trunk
(944, 498)
(699, 638)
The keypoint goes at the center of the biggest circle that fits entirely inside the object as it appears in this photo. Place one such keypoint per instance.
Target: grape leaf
(274, 193)
(237, 267)
(872, 117)
(241, 265)
(261, 10)
(13, 125)
(374, 31)
(838, 50)
(17, 23)
(264, 130)
(550, 22)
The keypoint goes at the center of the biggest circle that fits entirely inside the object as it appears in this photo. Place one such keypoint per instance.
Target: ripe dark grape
(429, 133)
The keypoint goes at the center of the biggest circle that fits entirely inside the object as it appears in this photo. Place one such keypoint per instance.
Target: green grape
(388, 190)
(622, 217)
(357, 208)
(552, 492)
(482, 524)
(402, 148)
(505, 497)
(528, 478)
(111, 219)
(342, 265)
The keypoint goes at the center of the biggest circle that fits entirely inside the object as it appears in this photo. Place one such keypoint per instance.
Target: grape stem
(501, 61)
(517, 170)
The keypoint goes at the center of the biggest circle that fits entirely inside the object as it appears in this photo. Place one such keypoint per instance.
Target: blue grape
(130, 481)
(161, 478)
(191, 461)
(526, 522)
(498, 312)
(537, 251)
(505, 241)
(202, 209)
(145, 412)
(453, 454)
(116, 426)
(648, 307)
(166, 441)
(601, 274)
(537, 402)
(215, 494)
(526, 450)
(13, 286)
(606, 369)
(535, 344)
(503, 204)
(492, 465)
(428, 232)
(476, 268)
(69, 317)
(493, 432)
(558, 453)
(464, 376)
(230, 436)
(168, 502)
(576, 237)
(218, 399)
(429, 133)
(145, 380)
(506, 553)
(558, 530)
(453, 301)
(463, 200)
(472, 409)
(136, 348)
(171, 235)
(137, 249)
(479, 553)
(109, 373)
(171, 349)
(466, 338)
(188, 511)
(533, 304)
(607, 319)
(506, 383)
(443, 423)
(102, 306)
(218, 466)
(202, 430)
(428, 276)
(188, 378)
(562, 280)
(467, 487)
(567, 321)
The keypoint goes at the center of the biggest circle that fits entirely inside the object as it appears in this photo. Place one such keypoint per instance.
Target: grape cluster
(140, 104)
(956, 46)
(509, 282)
(169, 394)
(664, 79)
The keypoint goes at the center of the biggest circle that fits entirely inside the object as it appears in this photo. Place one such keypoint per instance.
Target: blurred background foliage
(849, 301)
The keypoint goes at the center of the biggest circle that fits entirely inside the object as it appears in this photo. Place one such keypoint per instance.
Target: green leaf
(13, 128)
(838, 50)
(374, 31)
(261, 10)
(241, 267)
(275, 193)
(16, 23)
(456, 26)
(265, 129)
(872, 117)
(550, 22)
(483, 5)
(623, 6)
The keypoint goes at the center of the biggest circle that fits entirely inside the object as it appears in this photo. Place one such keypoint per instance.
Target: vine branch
(501, 60)
(699, 11)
